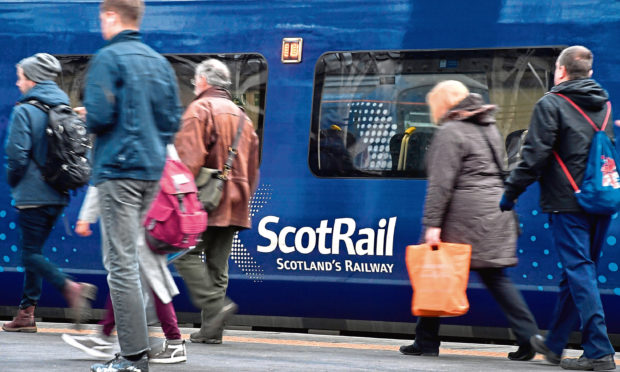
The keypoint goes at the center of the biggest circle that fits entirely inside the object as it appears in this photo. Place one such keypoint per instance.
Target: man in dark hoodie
(578, 236)
(37, 203)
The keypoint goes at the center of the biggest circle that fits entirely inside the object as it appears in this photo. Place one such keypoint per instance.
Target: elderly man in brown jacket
(208, 130)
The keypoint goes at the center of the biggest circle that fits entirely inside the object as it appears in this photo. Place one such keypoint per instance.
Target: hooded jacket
(465, 185)
(26, 141)
(208, 130)
(557, 125)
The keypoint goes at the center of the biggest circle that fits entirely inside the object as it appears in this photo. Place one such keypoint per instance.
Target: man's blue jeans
(579, 238)
(123, 204)
(35, 225)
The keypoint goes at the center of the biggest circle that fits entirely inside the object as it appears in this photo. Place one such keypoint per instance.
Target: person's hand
(506, 204)
(82, 228)
(432, 235)
(81, 111)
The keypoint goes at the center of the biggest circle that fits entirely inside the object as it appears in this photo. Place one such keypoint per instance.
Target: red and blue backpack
(600, 188)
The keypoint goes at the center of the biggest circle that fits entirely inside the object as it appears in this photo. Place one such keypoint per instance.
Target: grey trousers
(207, 281)
(123, 204)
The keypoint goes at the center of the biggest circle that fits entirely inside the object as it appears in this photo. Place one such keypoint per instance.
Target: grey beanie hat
(40, 67)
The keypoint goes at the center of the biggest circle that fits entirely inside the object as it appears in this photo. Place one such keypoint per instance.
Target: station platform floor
(243, 350)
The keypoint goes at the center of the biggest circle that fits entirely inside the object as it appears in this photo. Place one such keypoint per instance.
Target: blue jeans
(123, 204)
(35, 225)
(579, 238)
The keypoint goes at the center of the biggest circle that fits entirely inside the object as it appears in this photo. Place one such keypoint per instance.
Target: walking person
(209, 127)
(558, 126)
(464, 187)
(38, 204)
(132, 104)
(155, 278)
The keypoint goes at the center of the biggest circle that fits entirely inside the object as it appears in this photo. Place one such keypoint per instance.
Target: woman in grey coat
(465, 185)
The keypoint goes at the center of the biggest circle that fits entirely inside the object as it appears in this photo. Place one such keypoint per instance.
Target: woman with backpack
(155, 277)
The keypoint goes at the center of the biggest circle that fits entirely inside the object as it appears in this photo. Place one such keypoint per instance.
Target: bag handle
(570, 178)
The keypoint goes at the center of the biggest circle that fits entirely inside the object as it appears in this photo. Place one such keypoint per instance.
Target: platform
(267, 351)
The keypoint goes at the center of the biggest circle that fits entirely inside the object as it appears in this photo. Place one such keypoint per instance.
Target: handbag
(439, 275)
(210, 182)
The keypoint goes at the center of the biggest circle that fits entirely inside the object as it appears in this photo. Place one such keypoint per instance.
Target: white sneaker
(174, 352)
(92, 345)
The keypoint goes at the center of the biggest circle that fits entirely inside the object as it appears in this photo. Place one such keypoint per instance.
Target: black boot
(413, 349)
(525, 352)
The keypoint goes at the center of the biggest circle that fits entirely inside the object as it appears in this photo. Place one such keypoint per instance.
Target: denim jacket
(26, 141)
(133, 107)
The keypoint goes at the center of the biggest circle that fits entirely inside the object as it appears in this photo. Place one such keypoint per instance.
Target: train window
(370, 118)
(248, 75)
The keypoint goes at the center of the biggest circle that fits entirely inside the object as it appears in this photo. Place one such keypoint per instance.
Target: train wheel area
(243, 350)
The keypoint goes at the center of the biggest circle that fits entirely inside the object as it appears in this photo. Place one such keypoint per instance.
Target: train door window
(248, 76)
(370, 118)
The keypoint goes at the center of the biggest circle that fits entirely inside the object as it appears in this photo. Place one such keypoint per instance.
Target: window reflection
(248, 77)
(370, 118)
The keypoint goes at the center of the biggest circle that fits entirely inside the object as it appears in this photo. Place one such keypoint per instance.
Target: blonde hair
(444, 96)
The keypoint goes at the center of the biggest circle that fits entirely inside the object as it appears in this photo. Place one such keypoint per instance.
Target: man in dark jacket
(132, 104)
(578, 236)
(37, 203)
(209, 127)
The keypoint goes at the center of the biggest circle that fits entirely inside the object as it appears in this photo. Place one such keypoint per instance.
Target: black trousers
(507, 296)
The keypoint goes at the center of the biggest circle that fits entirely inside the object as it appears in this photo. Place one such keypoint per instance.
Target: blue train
(336, 91)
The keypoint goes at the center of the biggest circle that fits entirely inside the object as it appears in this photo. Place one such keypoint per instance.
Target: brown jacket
(208, 129)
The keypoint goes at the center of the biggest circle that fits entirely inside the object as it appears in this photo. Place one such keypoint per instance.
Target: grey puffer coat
(465, 185)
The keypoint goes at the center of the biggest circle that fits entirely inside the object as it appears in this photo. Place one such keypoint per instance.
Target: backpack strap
(566, 172)
(586, 116)
(38, 104)
(46, 109)
(557, 156)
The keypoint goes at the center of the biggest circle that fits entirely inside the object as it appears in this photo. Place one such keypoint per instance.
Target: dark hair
(578, 61)
(130, 11)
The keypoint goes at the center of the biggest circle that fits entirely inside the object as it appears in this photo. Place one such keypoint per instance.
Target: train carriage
(336, 91)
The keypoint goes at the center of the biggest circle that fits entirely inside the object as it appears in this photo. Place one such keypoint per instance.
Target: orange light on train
(291, 49)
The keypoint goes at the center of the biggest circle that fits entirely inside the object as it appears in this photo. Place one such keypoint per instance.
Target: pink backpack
(176, 218)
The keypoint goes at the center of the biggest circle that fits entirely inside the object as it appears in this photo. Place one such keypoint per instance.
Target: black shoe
(538, 344)
(414, 350)
(525, 352)
(605, 363)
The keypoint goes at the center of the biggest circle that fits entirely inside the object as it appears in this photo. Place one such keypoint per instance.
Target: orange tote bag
(439, 276)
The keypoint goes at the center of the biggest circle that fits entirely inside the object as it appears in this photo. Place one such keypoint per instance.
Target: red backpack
(176, 218)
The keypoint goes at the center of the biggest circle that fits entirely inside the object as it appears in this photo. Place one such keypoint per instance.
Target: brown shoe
(23, 322)
(78, 296)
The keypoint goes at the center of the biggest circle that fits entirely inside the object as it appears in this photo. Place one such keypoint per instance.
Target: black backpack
(66, 165)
